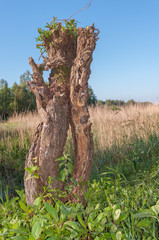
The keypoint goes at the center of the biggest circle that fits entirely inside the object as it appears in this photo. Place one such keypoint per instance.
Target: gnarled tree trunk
(62, 102)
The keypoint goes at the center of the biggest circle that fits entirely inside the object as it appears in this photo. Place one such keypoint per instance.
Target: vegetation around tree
(120, 201)
(122, 193)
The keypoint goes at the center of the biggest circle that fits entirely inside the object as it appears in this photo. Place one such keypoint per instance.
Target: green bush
(122, 195)
(116, 209)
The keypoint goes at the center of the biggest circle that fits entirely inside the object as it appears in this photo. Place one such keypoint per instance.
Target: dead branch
(87, 6)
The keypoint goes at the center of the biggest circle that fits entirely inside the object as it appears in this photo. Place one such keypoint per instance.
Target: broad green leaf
(15, 223)
(91, 220)
(118, 235)
(81, 221)
(155, 209)
(31, 237)
(73, 181)
(157, 203)
(63, 174)
(19, 237)
(144, 223)
(34, 168)
(23, 206)
(70, 167)
(73, 234)
(74, 225)
(97, 206)
(62, 194)
(92, 216)
(68, 188)
(90, 226)
(60, 159)
(98, 218)
(36, 229)
(52, 238)
(64, 212)
(20, 231)
(28, 170)
(37, 202)
(113, 228)
(122, 217)
(28, 177)
(36, 175)
(113, 236)
(103, 221)
(51, 211)
(144, 213)
(117, 214)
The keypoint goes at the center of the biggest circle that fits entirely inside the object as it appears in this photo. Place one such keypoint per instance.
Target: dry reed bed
(120, 126)
(108, 126)
(24, 123)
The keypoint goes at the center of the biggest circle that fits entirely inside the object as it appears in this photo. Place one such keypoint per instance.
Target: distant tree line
(18, 98)
(119, 103)
(114, 104)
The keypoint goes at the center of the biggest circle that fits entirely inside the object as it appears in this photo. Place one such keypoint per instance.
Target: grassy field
(124, 183)
(127, 135)
(109, 126)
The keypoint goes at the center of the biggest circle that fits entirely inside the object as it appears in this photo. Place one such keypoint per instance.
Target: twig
(87, 6)
(41, 55)
(31, 75)
(40, 44)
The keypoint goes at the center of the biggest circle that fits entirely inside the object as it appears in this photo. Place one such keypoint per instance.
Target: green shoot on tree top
(46, 33)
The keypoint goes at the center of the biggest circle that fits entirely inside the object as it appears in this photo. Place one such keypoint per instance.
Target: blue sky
(126, 60)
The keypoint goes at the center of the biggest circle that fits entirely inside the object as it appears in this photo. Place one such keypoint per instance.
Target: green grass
(122, 195)
(117, 208)
(12, 160)
(131, 158)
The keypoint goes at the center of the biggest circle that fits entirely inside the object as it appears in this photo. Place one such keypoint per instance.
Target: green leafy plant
(32, 171)
(122, 197)
(65, 168)
(46, 33)
(119, 211)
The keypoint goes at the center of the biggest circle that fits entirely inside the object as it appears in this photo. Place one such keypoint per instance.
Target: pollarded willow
(60, 103)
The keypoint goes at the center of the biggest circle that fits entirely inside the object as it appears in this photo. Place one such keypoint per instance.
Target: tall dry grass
(21, 124)
(116, 127)
(109, 127)
(116, 134)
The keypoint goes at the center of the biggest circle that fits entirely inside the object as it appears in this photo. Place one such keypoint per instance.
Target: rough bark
(50, 138)
(81, 127)
(53, 107)
(62, 102)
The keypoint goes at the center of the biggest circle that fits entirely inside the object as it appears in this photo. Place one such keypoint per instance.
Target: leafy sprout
(46, 33)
